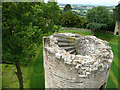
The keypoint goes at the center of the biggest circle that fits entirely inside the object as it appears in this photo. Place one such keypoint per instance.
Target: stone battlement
(74, 61)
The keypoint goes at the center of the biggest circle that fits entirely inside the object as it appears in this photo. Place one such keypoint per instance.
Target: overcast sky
(94, 2)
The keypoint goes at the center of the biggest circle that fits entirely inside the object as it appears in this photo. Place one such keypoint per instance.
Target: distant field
(82, 9)
(33, 74)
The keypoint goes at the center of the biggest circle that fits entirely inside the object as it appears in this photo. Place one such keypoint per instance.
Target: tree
(24, 24)
(67, 8)
(83, 22)
(98, 18)
(18, 35)
(69, 19)
(51, 14)
(116, 13)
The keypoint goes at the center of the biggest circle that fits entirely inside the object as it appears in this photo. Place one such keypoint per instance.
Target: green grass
(0, 76)
(37, 76)
(83, 33)
(110, 83)
(9, 79)
(33, 74)
(108, 37)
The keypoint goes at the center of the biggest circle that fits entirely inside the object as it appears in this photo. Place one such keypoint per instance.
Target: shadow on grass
(103, 36)
(37, 76)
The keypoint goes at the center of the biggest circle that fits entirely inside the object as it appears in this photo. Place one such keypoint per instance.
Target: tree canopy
(67, 7)
(24, 25)
(116, 12)
(98, 17)
(69, 19)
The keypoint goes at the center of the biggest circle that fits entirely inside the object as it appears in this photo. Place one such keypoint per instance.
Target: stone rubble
(96, 54)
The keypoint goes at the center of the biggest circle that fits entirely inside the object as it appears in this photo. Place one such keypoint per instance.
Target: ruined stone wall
(117, 28)
(65, 69)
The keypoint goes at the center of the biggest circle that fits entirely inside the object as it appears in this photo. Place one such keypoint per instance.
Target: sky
(93, 2)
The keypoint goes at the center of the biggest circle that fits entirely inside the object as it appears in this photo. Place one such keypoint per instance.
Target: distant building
(79, 6)
(89, 7)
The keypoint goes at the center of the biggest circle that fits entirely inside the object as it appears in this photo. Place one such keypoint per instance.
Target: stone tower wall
(65, 70)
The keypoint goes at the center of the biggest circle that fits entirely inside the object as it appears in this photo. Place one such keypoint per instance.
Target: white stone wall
(65, 70)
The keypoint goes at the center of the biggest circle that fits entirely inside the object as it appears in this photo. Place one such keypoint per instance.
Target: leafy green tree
(98, 14)
(67, 8)
(24, 25)
(51, 15)
(98, 18)
(18, 35)
(69, 19)
(116, 13)
(111, 25)
(83, 23)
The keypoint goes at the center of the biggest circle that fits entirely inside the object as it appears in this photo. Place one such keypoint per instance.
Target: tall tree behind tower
(67, 8)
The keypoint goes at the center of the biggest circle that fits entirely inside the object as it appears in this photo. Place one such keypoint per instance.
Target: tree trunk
(19, 75)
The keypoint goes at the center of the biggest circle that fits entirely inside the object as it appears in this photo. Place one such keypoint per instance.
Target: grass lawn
(83, 33)
(33, 74)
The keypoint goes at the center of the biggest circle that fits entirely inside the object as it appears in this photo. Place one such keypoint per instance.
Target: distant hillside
(82, 9)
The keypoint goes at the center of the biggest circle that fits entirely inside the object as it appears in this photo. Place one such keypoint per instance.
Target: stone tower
(74, 61)
(117, 17)
(117, 28)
